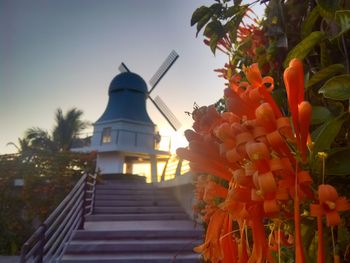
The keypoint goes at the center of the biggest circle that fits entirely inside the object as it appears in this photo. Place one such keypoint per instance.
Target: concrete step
(131, 246)
(133, 203)
(123, 186)
(100, 196)
(126, 217)
(139, 258)
(137, 234)
(137, 210)
(131, 191)
(142, 225)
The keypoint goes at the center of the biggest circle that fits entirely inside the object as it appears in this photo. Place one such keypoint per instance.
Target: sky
(64, 54)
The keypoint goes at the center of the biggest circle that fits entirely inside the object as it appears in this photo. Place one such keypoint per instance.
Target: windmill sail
(166, 112)
(169, 61)
(123, 68)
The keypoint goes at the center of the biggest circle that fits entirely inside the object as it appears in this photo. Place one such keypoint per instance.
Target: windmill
(154, 81)
(124, 134)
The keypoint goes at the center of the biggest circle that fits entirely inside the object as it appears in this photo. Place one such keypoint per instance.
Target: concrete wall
(9, 259)
(110, 163)
(182, 187)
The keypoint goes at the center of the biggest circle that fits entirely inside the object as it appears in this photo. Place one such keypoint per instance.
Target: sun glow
(172, 139)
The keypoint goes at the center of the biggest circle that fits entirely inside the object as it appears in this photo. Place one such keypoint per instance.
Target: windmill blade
(168, 62)
(123, 68)
(166, 112)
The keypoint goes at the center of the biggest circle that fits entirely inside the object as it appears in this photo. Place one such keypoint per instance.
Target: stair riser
(127, 248)
(195, 259)
(125, 187)
(117, 203)
(132, 200)
(127, 217)
(109, 197)
(136, 210)
(130, 192)
(137, 235)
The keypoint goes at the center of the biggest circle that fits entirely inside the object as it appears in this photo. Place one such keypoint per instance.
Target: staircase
(134, 222)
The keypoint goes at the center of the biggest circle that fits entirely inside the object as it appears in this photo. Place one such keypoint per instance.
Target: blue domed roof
(127, 99)
(128, 80)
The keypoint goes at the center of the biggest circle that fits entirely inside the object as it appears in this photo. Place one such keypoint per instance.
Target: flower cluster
(253, 186)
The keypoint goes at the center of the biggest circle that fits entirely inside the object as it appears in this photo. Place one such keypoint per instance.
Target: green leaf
(231, 11)
(324, 55)
(303, 48)
(216, 9)
(309, 22)
(327, 8)
(337, 162)
(213, 43)
(214, 27)
(317, 131)
(326, 137)
(343, 19)
(320, 115)
(198, 14)
(232, 25)
(280, 97)
(201, 23)
(337, 88)
(325, 73)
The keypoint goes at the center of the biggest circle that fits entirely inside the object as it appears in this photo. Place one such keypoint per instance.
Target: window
(107, 135)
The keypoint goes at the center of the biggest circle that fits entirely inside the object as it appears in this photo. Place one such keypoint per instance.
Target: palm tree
(22, 146)
(67, 128)
(40, 139)
(64, 134)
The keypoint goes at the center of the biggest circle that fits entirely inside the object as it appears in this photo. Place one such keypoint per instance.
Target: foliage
(48, 170)
(317, 33)
(64, 135)
(47, 178)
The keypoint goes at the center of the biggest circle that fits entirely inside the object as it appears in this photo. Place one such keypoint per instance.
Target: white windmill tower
(125, 134)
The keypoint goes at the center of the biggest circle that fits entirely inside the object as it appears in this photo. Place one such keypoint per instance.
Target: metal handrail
(47, 244)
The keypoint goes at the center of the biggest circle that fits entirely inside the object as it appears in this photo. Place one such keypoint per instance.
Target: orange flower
(204, 165)
(255, 79)
(228, 243)
(213, 190)
(249, 146)
(301, 111)
(210, 249)
(304, 111)
(330, 204)
(266, 117)
(236, 105)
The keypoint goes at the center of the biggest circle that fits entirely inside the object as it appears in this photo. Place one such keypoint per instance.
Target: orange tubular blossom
(330, 204)
(305, 112)
(294, 82)
(255, 79)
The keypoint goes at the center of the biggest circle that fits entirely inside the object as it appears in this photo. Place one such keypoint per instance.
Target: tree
(47, 178)
(67, 128)
(22, 145)
(64, 134)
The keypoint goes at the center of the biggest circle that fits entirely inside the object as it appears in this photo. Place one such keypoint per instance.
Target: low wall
(9, 259)
(182, 187)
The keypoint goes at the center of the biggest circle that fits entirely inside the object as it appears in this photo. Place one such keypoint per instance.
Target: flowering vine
(254, 189)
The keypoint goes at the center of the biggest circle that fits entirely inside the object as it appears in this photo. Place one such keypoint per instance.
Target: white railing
(175, 167)
(125, 137)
